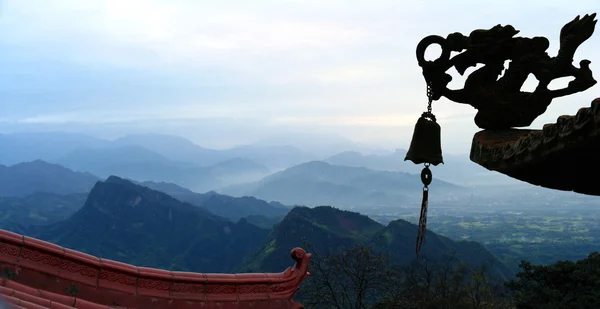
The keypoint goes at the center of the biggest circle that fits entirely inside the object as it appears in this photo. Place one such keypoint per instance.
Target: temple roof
(37, 274)
(563, 155)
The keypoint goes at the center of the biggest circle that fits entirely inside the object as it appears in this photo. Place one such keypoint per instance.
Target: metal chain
(429, 97)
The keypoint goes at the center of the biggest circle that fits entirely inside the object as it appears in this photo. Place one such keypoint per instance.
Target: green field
(542, 235)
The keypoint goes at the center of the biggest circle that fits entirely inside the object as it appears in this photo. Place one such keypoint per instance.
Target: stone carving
(499, 100)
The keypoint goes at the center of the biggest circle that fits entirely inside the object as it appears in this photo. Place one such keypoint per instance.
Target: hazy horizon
(234, 73)
(326, 146)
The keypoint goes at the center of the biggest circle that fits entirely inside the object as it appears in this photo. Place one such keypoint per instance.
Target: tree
(354, 278)
(360, 277)
(446, 283)
(564, 284)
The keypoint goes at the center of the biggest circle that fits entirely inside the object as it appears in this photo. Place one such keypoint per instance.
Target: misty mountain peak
(117, 180)
(40, 176)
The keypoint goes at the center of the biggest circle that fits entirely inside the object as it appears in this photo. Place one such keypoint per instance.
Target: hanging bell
(426, 144)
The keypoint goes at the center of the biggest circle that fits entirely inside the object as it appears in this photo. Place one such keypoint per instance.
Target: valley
(46, 199)
(123, 201)
(567, 230)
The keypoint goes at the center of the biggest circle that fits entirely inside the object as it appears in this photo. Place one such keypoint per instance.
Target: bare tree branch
(359, 277)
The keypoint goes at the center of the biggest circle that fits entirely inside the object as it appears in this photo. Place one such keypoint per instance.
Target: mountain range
(37, 193)
(152, 157)
(135, 224)
(54, 146)
(18, 213)
(328, 229)
(233, 208)
(24, 147)
(180, 206)
(26, 178)
(318, 183)
(456, 169)
(244, 170)
(314, 183)
(132, 223)
(139, 163)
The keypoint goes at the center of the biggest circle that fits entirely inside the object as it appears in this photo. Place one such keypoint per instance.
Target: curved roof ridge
(47, 267)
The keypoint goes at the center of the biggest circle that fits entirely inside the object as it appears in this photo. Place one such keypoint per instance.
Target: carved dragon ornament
(499, 100)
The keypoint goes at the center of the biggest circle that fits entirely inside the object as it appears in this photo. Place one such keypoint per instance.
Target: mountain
(166, 187)
(233, 208)
(320, 144)
(109, 155)
(399, 236)
(456, 169)
(138, 163)
(135, 224)
(264, 222)
(237, 170)
(54, 146)
(134, 162)
(173, 147)
(275, 157)
(318, 183)
(19, 213)
(326, 229)
(177, 148)
(233, 165)
(25, 147)
(38, 176)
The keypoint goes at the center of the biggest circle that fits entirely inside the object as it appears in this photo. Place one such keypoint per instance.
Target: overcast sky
(231, 72)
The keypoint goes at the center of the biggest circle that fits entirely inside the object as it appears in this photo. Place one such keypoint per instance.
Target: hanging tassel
(422, 221)
(426, 178)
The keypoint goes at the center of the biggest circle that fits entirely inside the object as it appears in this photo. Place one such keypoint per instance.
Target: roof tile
(45, 275)
(552, 157)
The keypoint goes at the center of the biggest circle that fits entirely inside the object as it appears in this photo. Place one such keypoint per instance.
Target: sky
(225, 73)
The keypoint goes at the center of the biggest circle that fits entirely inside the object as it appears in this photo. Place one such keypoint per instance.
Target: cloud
(344, 66)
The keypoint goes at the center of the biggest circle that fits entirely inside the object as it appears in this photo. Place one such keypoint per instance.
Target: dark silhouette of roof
(563, 155)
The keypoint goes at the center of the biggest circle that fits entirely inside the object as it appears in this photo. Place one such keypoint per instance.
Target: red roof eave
(37, 269)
